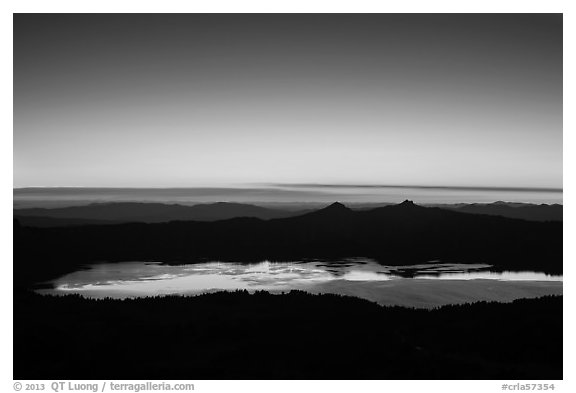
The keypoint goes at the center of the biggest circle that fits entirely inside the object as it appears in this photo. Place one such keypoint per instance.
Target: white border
(333, 6)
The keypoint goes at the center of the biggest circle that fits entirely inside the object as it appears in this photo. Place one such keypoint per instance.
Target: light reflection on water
(137, 279)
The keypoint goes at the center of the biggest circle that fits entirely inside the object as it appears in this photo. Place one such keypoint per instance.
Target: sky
(250, 100)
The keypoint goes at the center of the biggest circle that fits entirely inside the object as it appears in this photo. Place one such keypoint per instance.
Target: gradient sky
(226, 100)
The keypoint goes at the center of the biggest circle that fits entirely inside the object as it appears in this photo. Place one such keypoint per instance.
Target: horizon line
(310, 185)
(373, 186)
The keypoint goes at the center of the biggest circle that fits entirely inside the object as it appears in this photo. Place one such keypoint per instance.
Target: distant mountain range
(124, 212)
(514, 210)
(394, 235)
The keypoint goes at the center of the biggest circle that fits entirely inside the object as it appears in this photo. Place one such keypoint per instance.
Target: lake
(425, 285)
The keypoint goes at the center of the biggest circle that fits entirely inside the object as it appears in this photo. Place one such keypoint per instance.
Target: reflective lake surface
(423, 285)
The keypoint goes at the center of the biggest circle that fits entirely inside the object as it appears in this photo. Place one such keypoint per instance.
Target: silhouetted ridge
(336, 209)
(224, 333)
(336, 206)
(147, 212)
(523, 211)
(404, 208)
(398, 234)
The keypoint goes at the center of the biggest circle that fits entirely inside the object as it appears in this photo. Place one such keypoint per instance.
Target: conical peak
(337, 205)
(407, 203)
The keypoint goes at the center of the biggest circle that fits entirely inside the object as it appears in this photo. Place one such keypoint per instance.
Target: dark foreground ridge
(149, 212)
(237, 335)
(395, 235)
